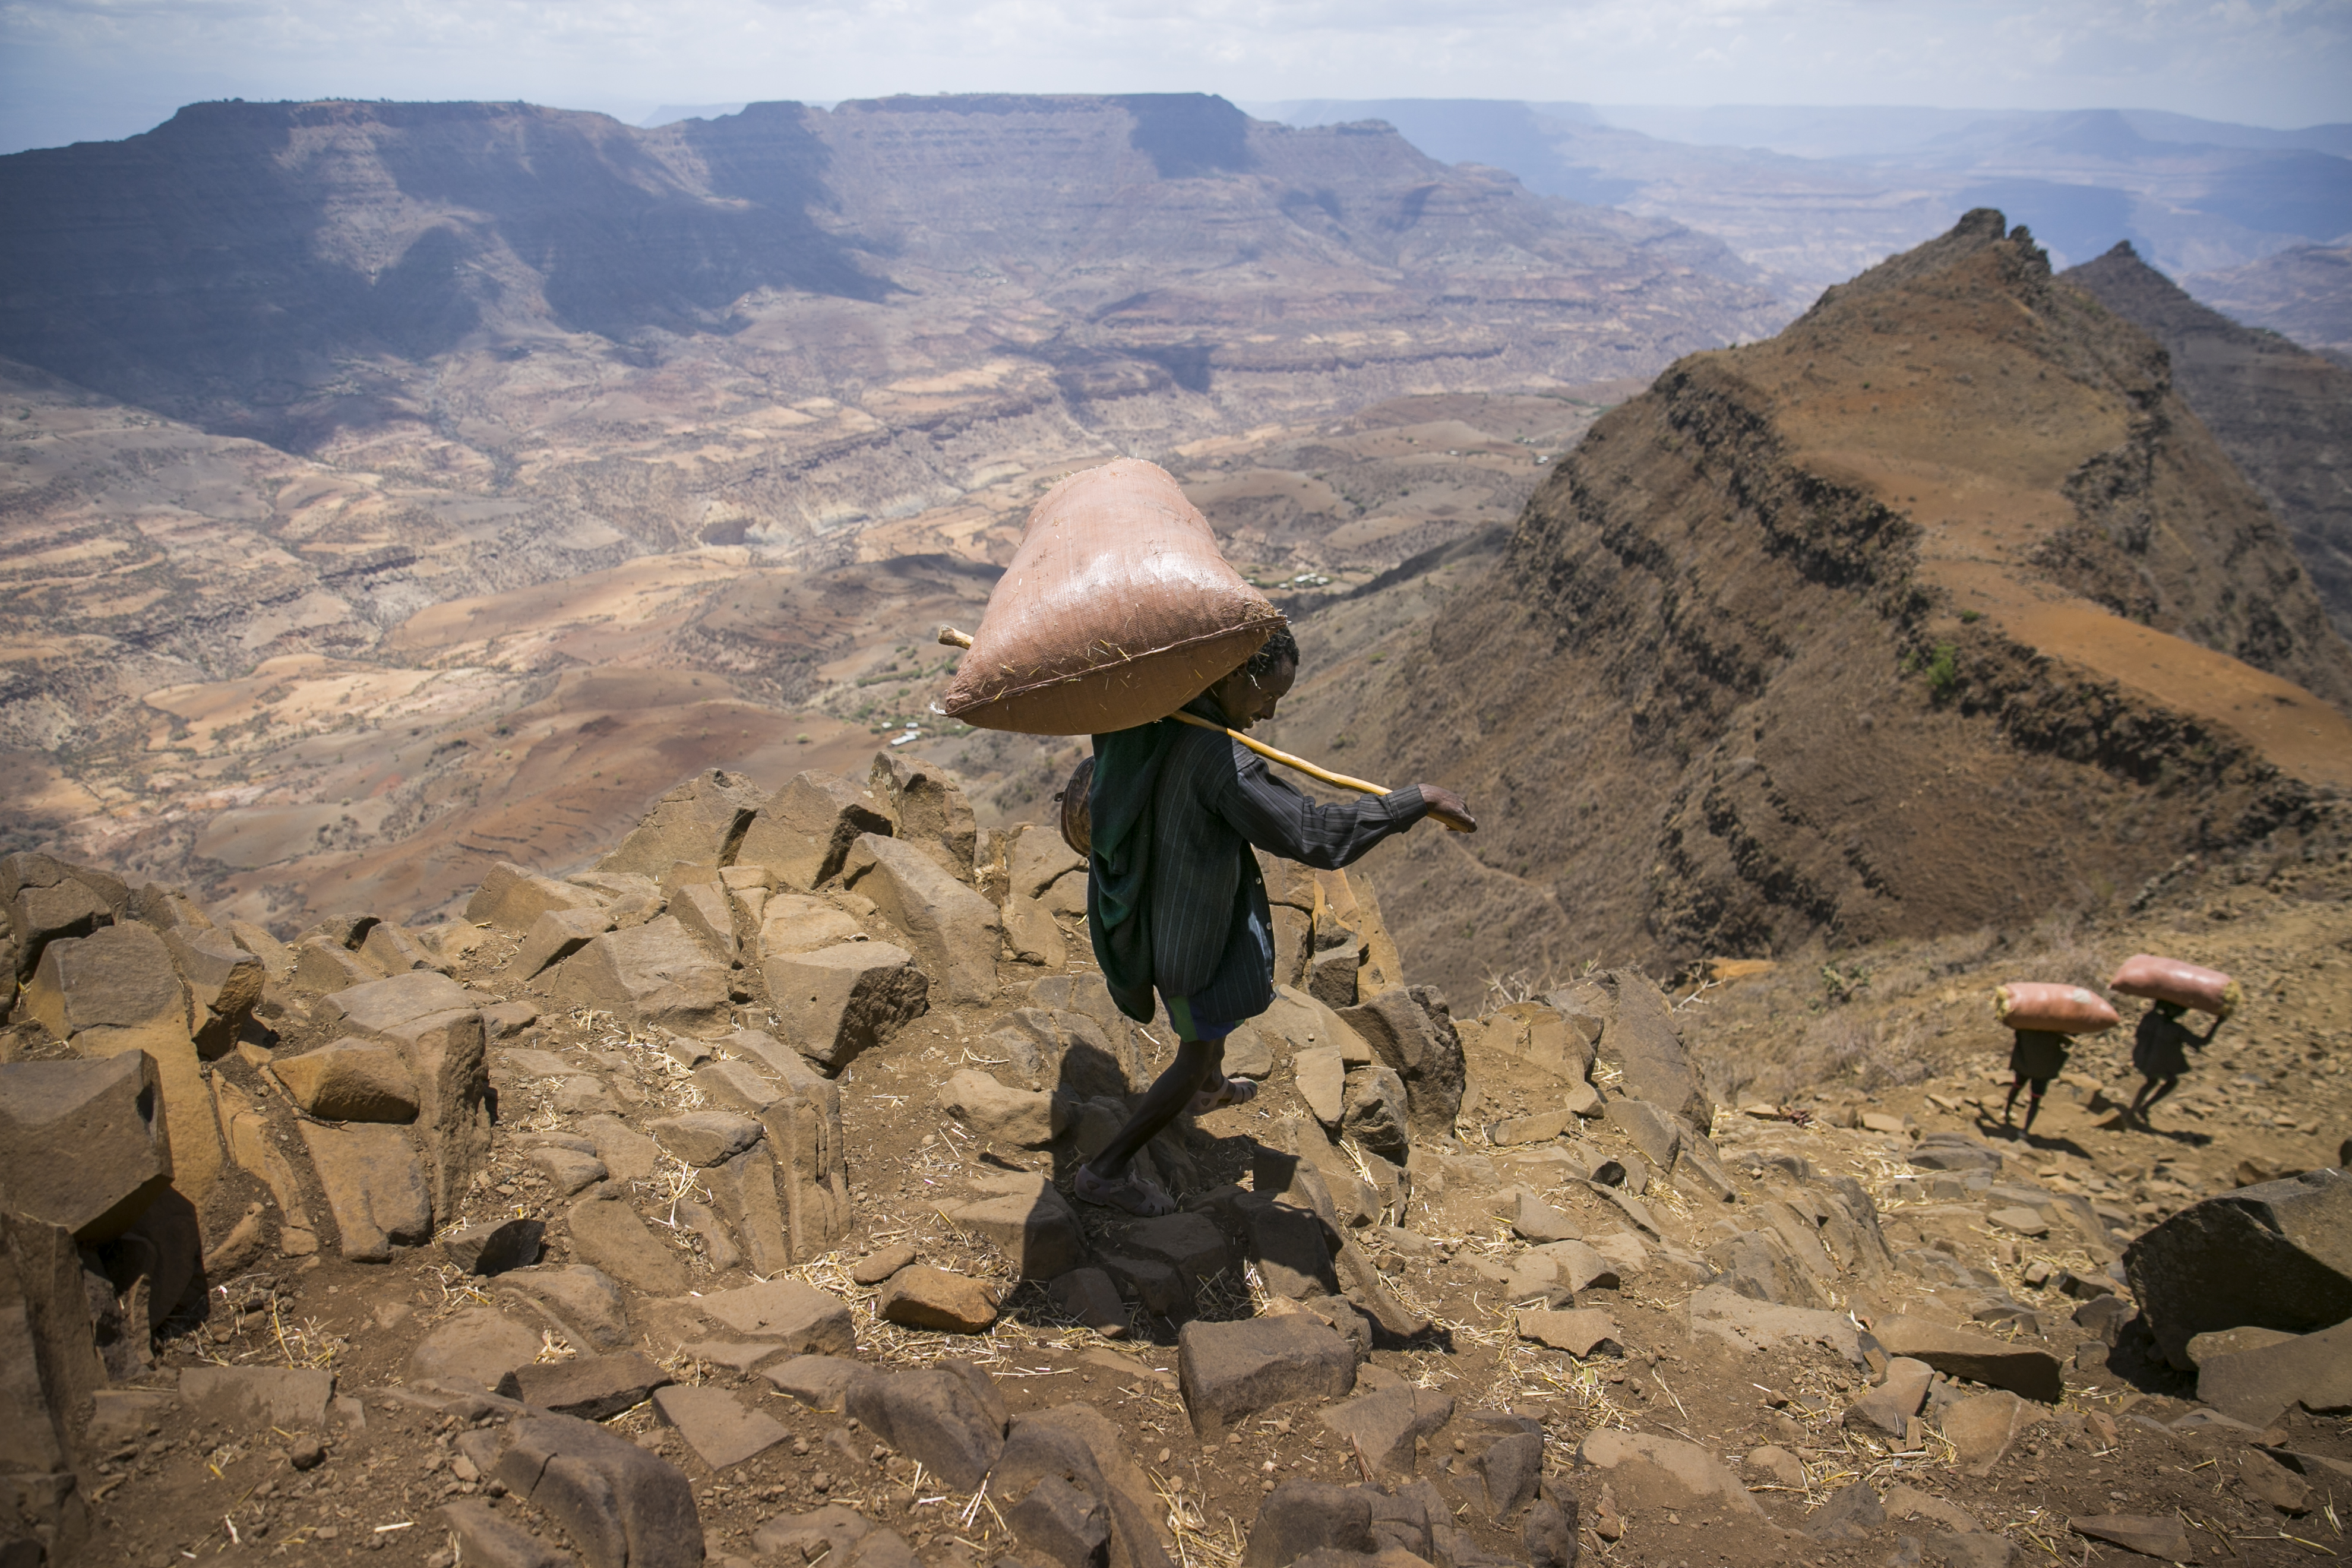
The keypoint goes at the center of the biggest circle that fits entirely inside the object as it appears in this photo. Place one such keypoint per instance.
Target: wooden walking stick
(954, 638)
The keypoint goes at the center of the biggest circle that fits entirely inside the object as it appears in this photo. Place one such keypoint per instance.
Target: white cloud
(109, 67)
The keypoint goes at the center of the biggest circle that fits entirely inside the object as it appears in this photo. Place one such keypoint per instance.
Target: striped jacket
(1205, 904)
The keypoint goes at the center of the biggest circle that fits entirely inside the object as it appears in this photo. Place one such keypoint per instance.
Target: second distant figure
(2160, 1055)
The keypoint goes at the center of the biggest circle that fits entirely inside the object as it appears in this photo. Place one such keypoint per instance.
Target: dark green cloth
(1119, 832)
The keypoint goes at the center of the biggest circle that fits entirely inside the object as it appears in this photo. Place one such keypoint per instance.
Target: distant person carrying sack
(1174, 898)
(2160, 1055)
(2035, 1058)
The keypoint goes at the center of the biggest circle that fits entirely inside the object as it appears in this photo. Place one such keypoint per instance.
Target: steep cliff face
(1938, 610)
(2283, 413)
(284, 270)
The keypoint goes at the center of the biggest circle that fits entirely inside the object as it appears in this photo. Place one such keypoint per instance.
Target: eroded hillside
(1938, 609)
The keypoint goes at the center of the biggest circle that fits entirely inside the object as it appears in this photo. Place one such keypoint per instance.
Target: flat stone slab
(592, 1387)
(716, 1425)
(801, 1316)
(257, 1395)
(1956, 1353)
(2150, 1535)
(1579, 1332)
(818, 1381)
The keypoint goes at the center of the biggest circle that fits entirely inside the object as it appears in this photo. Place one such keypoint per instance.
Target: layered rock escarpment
(1939, 607)
(2283, 413)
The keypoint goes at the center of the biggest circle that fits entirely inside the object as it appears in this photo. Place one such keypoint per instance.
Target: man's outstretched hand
(1449, 808)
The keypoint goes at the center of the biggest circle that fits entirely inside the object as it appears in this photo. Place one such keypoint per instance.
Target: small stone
(880, 1266)
(1773, 1466)
(1984, 1429)
(1088, 1296)
(1580, 1332)
(1536, 1221)
(706, 1138)
(2020, 1220)
(2150, 1535)
(921, 1297)
(1232, 1370)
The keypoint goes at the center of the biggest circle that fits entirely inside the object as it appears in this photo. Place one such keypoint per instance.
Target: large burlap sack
(1117, 610)
(2058, 1009)
(2170, 979)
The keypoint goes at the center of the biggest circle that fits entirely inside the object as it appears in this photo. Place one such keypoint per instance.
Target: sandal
(1131, 1192)
(1233, 1092)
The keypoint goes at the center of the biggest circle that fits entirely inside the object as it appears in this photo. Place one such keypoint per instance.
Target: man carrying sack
(1174, 898)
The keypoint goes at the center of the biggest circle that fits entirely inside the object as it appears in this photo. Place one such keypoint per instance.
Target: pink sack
(1117, 610)
(2056, 1009)
(2170, 979)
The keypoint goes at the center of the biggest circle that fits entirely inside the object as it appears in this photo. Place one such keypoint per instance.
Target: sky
(91, 69)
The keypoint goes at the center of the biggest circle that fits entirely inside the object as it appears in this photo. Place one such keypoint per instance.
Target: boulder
(706, 1138)
(485, 1536)
(375, 1187)
(656, 975)
(929, 808)
(1650, 1472)
(477, 1350)
(2275, 1256)
(954, 931)
(1375, 1113)
(1322, 1081)
(1385, 1425)
(83, 1144)
(819, 1382)
(1977, 1358)
(118, 978)
(951, 1418)
(494, 1247)
(1191, 1242)
(436, 1025)
(1983, 1429)
(921, 1297)
(581, 1303)
(1410, 1031)
(224, 983)
(878, 1266)
(1029, 1118)
(1888, 1409)
(716, 1424)
(512, 897)
(48, 901)
(1314, 1521)
(804, 832)
(608, 1234)
(2259, 1383)
(620, 1505)
(1641, 1036)
(1532, 1219)
(1291, 1247)
(702, 821)
(555, 936)
(791, 923)
(2150, 1535)
(350, 1080)
(1088, 1296)
(1651, 1130)
(1029, 1221)
(834, 1002)
(1580, 1332)
(1230, 1371)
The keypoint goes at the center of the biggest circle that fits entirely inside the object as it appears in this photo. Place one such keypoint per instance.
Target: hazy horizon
(88, 69)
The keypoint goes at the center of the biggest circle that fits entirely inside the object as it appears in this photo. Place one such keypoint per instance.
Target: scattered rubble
(714, 1205)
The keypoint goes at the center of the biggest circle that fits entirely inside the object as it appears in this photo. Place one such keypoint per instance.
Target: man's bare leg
(1106, 1178)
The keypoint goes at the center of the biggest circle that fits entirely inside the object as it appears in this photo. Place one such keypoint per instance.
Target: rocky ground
(714, 1204)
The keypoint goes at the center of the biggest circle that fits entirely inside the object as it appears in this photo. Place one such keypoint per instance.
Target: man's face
(1247, 698)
